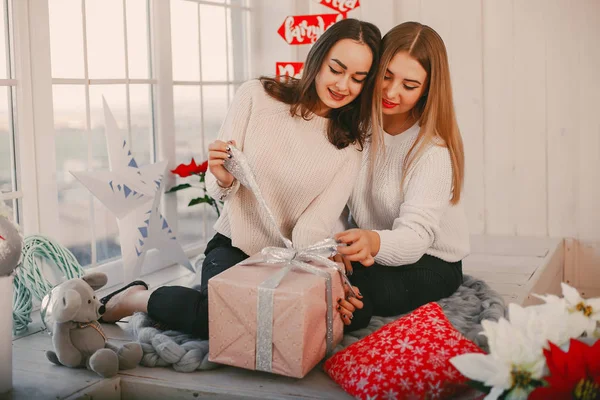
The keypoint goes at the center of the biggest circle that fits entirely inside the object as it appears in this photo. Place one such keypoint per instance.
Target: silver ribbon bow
(319, 253)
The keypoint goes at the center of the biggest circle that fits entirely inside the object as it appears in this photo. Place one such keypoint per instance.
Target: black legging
(386, 291)
(185, 309)
(390, 291)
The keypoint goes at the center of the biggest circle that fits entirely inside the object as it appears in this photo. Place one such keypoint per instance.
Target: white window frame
(238, 77)
(35, 118)
(10, 83)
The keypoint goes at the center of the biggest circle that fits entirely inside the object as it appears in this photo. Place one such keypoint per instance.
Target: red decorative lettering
(306, 29)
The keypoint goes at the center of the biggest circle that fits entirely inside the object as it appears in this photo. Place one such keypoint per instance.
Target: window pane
(231, 31)
(66, 38)
(116, 100)
(141, 123)
(188, 144)
(13, 204)
(69, 126)
(108, 245)
(238, 44)
(72, 155)
(105, 38)
(213, 43)
(184, 40)
(215, 109)
(3, 35)
(188, 132)
(74, 220)
(190, 222)
(105, 223)
(232, 90)
(137, 38)
(6, 151)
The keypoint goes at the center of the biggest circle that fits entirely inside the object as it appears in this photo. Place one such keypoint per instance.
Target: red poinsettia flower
(203, 167)
(573, 375)
(185, 170)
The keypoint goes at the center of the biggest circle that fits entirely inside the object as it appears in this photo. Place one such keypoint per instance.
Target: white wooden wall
(526, 79)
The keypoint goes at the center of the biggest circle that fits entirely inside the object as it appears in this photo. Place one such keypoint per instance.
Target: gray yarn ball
(11, 245)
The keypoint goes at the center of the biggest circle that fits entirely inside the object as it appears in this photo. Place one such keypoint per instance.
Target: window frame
(238, 77)
(36, 168)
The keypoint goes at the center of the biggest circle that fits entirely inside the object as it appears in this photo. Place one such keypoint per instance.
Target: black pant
(390, 291)
(185, 309)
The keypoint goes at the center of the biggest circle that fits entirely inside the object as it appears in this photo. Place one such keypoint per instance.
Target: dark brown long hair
(348, 124)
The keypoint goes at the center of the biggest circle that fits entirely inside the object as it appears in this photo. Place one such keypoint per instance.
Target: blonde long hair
(435, 109)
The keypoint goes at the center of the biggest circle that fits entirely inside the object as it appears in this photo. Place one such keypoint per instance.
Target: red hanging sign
(306, 29)
(293, 69)
(342, 6)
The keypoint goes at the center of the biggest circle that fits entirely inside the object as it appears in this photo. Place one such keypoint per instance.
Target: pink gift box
(299, 317)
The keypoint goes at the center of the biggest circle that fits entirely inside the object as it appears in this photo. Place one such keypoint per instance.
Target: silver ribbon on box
(291, 259)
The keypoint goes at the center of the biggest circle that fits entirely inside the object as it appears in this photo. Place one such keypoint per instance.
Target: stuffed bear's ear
(95, 279)
(66, 306)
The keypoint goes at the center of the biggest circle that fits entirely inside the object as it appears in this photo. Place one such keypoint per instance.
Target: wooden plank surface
(106, 389)
(465, 52)
(505, 263)
(512, 245)
(562, 116)
(588, 167)
(499, 263)
(547, 278)
(499, 122)
(243, 383)
(529, 110)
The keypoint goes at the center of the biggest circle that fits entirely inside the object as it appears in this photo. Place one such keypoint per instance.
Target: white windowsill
(153, 274)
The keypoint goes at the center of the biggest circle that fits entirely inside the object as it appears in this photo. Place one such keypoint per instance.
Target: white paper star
(133, 194)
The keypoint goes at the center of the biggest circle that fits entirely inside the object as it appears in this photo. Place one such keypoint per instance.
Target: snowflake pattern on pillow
(405, 359)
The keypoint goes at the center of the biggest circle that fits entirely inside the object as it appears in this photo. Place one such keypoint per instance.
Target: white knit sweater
(417, 220)
(304, 179)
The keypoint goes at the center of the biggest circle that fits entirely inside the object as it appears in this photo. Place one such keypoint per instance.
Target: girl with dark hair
(302, 139)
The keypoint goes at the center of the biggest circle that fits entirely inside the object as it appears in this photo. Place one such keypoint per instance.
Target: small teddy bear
(71, 311)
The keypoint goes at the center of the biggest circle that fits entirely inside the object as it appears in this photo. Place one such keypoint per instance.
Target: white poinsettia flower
(577, 305)
(515, 358)
(590, 308)
(549, 322)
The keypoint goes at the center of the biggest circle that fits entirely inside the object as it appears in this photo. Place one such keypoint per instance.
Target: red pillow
(407, 358)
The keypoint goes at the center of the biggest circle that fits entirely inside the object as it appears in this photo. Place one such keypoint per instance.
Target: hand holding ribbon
(290, 259)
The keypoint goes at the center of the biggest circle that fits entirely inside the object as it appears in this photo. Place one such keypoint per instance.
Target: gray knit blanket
(473, 302)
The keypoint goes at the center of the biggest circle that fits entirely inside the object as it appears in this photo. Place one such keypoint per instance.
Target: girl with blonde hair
(410, 231)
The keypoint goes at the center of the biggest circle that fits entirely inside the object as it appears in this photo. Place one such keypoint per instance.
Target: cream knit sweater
(417, 220)
(304, 179)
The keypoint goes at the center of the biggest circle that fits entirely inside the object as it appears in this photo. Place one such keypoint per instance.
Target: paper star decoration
(133, 194)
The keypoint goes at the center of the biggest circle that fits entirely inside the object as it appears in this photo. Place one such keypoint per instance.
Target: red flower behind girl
(185, 170)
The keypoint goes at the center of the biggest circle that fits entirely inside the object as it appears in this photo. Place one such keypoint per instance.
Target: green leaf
(198, 200)
(479, 386)
(178, 187)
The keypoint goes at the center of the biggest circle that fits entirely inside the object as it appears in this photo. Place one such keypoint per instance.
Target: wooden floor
(513, 266)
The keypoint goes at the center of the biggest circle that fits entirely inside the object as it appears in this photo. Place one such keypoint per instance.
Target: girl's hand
(346, 307)
(218, 152)
(347, 264)
(360, 245)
